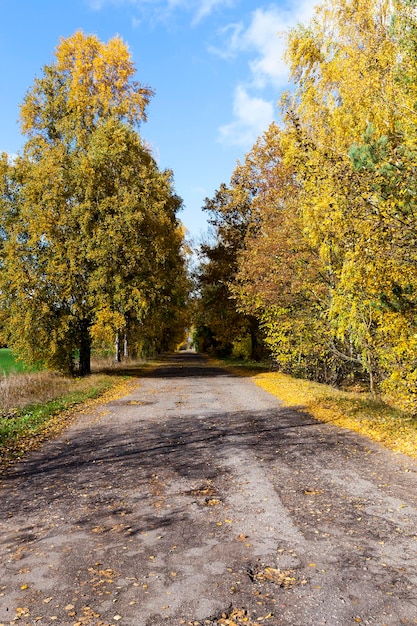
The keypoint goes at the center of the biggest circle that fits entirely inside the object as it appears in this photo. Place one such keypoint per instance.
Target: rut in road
(200, 499)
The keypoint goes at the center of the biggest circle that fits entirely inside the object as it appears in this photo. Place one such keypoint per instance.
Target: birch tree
(86, 233)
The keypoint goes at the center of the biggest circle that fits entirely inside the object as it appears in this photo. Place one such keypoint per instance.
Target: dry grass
(20, 390)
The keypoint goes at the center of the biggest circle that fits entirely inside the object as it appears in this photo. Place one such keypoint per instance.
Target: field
(8, 364)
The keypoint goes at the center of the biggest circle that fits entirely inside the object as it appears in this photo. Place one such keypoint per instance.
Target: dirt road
(198, 499)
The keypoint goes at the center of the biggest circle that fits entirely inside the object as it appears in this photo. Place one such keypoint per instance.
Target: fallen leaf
(271, 574)
(212, 501)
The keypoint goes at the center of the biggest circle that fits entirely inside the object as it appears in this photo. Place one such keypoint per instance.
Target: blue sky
(216, 67)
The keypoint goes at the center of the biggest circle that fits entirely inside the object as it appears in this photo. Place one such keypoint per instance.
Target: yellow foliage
(91, 244)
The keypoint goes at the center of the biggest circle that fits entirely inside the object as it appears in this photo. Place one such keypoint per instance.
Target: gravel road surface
(200, 499)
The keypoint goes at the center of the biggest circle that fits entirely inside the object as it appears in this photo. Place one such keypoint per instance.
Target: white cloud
(264, 41)
(265, 38)
(252, 117)
(201, 191)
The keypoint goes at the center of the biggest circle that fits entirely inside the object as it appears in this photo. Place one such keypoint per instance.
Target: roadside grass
(377, 419)
(37, 405)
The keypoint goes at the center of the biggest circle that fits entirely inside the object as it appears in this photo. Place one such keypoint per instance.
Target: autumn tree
(280, 278)
(345, 66)
(91, 238)
(221, 325)
(327, 263)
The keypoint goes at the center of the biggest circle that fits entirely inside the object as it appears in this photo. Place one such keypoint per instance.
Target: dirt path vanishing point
(199, 499)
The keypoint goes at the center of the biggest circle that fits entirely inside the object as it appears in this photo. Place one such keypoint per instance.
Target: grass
(8, 364)
(360, 412)
(37, 405)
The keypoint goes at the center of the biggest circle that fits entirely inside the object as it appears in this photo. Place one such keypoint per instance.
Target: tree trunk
(125, 347)
(84, 368)
(117, 352)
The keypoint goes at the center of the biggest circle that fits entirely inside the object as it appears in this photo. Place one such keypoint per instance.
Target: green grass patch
(9, 364)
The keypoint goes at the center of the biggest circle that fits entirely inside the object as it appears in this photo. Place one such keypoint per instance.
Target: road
(200, 499)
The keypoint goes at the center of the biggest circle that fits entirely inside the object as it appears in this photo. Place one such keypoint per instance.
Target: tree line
(91, 248)
(314, 248)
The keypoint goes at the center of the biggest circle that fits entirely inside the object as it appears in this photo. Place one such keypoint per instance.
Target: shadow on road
(178, 365)
(126, 458)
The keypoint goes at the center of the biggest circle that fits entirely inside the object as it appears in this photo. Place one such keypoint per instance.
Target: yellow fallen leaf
(25, 586)
(212, 502)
